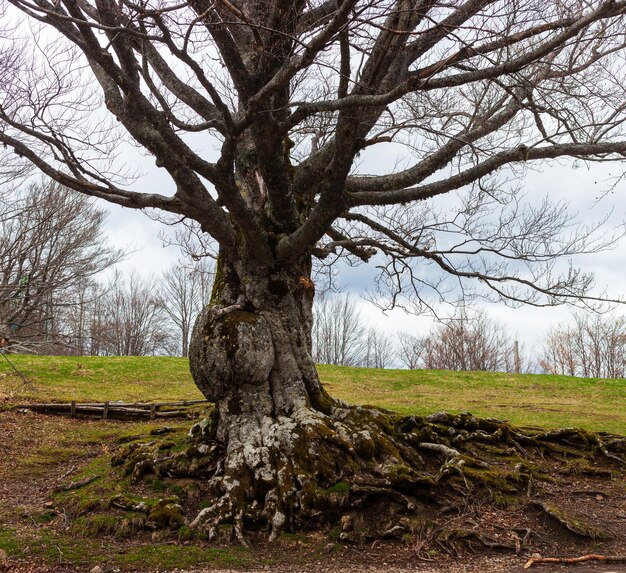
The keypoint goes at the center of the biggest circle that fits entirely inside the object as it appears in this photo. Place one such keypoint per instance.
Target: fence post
(73, 409)
(516, 357)
(105, 411)
(152, 411)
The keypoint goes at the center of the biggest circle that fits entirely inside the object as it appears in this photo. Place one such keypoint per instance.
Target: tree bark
(250, 354)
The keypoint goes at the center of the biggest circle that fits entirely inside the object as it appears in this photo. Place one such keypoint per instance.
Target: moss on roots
(363, 470)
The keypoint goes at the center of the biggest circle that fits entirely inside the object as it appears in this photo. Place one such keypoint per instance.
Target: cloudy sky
(581, 185)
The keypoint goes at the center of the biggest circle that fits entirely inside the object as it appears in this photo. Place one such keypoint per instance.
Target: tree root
(574, 523)
(76, 485)
(313, 469)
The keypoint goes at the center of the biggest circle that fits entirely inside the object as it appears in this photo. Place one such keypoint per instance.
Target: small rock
(329, 548)
(97, 569)
(48, 504)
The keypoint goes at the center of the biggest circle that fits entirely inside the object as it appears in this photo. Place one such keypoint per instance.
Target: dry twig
(572, 560)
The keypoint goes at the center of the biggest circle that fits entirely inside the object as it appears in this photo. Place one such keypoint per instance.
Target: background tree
(338, 331)
(378, 350)
(411, 350)
(183, 291)
(51, 245)
(471, 341)
(293, 93)
(132, 321)
(593, 346)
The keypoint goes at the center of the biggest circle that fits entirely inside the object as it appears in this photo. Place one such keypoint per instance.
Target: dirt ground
(33, 461)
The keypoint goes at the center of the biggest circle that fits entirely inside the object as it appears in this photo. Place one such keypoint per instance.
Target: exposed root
(365, 464)
(77, 484)
(574, 523)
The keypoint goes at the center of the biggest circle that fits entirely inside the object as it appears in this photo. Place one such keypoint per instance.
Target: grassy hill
(528, 399)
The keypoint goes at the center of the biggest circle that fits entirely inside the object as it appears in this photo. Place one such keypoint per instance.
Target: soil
(601, 499)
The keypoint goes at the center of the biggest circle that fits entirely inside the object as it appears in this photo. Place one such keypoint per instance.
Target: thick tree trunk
(250, 354)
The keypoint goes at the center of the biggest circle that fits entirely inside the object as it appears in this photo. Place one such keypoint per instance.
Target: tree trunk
(285, 447)
(250, 354)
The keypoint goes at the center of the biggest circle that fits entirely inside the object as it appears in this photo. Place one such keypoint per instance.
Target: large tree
(293, 93)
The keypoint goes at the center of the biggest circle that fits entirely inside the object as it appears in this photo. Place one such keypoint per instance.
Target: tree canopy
(293, 92)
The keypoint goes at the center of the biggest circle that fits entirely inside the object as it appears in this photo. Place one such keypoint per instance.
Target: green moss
(504, 501)
(339, 487)
(45, 516)
(575, 523)
(97, 525)
(185, 533)
(158, 485)
(582, 466)
(499, 479)
(162, 556)
(166, 513)
(10, 542)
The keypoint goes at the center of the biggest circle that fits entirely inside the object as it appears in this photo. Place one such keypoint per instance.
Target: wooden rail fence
(117, 410)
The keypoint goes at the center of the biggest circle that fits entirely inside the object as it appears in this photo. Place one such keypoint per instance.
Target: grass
(54, 443)
(528, 399)
(31, 532)
(524, 399)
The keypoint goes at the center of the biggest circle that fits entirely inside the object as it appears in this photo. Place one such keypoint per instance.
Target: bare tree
(471, 341)
(338, 331)
(81, 320)
(593, 346)
(133, 323)
(294, 93)
(183, 291)
(51, 246)
(378, 351)
(411, 350)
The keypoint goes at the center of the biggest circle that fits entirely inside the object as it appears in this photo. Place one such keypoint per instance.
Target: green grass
(539, 400)
(98, 378)
(524, 399)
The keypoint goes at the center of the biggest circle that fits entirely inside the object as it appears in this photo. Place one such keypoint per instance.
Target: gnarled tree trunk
(284, 442)
(250, 354)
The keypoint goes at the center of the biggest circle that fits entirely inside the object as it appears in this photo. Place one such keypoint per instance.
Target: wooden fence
(117, 410)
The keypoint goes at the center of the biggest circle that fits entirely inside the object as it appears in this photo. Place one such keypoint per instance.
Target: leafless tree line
(470, 341)
(51, 246)
(592, 346)
(53, 300)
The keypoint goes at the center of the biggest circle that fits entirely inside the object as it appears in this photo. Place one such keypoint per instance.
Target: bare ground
(28, 477)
